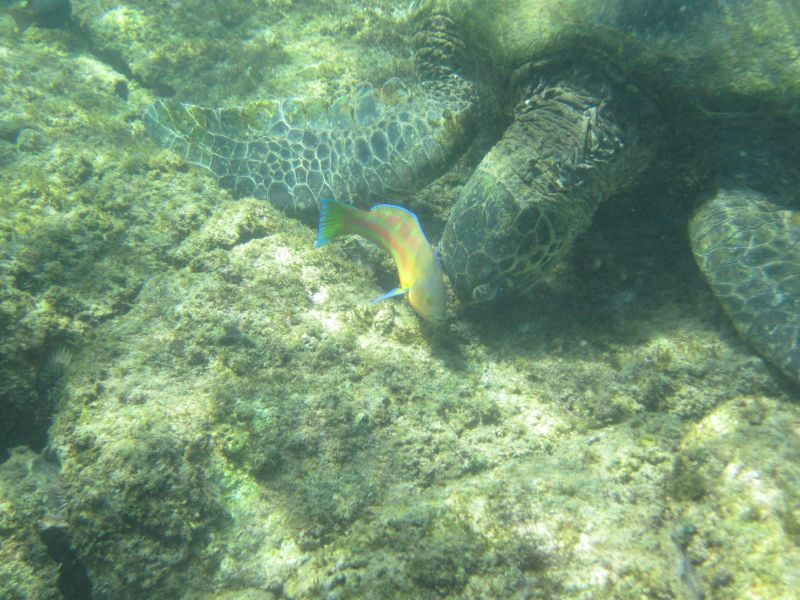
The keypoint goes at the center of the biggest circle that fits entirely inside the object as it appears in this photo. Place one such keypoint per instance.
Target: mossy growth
(687, 481)
(153, 498)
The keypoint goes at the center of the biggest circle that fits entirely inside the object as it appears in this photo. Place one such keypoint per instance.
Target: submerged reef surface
(232, 418)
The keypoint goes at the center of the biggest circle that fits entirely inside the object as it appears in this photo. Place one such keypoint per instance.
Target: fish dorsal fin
(392, 211)
(395, 213)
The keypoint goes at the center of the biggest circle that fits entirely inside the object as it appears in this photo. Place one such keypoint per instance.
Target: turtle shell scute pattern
(365, 146)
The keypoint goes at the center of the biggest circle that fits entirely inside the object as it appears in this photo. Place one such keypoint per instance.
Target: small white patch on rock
(330, 321)
(320, 296)
(283, 256)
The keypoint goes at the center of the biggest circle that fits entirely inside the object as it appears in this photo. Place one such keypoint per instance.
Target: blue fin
(391, 293)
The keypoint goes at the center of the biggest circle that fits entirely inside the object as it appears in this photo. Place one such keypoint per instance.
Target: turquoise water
(197, 403)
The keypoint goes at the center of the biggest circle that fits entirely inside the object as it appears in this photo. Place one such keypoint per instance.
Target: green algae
(364, 450)
(27, 571)
(751, 495)
(235, 52)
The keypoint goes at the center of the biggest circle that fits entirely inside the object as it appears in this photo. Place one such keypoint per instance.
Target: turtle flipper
(748, 248)
(539, 187)
(372, 143)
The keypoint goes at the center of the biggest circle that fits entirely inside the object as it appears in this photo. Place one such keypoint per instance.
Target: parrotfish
(397, 230)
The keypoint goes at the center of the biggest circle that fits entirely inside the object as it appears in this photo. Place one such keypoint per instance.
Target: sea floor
(203, 405)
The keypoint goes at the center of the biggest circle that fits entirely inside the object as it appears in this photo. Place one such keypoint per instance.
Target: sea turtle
(597, 86)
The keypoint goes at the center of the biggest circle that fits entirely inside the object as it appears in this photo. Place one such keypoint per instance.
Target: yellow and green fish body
(397, 230)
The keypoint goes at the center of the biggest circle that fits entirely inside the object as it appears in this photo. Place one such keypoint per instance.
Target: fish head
(428, 297)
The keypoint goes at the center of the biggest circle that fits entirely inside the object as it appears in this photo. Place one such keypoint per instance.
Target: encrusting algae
(235, 420)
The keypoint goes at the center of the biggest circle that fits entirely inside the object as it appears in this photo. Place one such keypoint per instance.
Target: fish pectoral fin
(391, 293)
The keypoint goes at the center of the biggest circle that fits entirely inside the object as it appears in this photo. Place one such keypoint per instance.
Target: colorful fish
(397, 230)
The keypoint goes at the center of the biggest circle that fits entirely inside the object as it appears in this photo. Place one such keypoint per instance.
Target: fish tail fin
(21, 17)
(334, 220)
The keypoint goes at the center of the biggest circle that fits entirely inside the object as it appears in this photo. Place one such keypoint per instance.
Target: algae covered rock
(253, 382)
(253, 424)
(38, 560)
(240, 49)
(234, 419)
(80, 191)
(735, 478)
